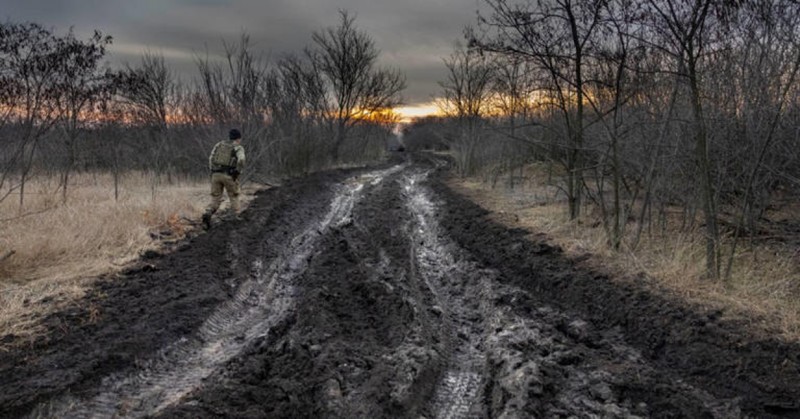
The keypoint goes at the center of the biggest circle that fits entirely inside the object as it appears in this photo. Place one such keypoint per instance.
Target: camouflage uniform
(225, 177)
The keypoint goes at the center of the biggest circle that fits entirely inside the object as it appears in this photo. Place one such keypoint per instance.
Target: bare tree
(300, 112)
(465, 96)
(655, 109)
(764, 60)
(614, 66)
(234, 92)
(687, 28)
(513, 87)
(80, 80)
(148, 91)
(30, 60)
(556, 36)
(347, 57)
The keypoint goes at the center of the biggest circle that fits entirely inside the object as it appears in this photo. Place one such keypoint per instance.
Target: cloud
(413, 35)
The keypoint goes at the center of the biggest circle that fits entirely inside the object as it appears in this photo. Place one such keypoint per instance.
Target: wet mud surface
(379, 292)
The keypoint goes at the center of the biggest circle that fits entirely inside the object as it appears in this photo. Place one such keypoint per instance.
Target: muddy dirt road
(379, 292)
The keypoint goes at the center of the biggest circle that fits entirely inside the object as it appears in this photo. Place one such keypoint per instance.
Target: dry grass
(59, 248)
(765, 282)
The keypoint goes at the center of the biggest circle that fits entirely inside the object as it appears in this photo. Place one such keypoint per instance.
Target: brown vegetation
(58, 250)
(666, 129)
(763, 287)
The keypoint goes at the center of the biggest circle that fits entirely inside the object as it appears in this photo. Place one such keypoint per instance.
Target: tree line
(642, 108)
(63, 109)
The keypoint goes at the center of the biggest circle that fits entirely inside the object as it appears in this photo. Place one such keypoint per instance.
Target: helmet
(234, 134)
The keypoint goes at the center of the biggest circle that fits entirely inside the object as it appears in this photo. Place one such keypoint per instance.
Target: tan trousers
(220, 182)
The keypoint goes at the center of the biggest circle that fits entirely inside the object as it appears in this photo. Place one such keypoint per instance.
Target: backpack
(224, 155)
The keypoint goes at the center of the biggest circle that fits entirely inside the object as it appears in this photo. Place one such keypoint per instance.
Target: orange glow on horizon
(402, 114)
(420, 110)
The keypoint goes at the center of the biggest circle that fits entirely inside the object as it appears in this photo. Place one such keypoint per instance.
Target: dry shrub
(765, 280)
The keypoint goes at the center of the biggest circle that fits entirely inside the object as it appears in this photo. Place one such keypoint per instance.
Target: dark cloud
(204, 2)
(413, 35)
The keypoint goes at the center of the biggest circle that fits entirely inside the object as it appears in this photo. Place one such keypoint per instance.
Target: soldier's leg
(232, 187)
(217, 185)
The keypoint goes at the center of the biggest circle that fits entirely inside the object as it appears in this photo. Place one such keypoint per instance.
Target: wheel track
(382, 251)
(442, 269)
(259, 304)
(508, 353)
(504, 364)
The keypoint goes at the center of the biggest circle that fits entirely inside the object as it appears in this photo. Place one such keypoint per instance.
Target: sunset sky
(413, 35)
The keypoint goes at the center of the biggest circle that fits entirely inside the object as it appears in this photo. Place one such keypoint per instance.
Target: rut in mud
(378, 292)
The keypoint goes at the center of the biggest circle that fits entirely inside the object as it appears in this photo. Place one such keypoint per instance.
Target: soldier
(225, 162)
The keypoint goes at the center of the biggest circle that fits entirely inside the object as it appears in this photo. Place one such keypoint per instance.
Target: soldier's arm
(240, 159)
(210, 155)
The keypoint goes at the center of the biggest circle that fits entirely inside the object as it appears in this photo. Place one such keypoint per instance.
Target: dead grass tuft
(765, 283)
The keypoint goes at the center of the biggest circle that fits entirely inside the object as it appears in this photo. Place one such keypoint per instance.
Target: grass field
(57, 248)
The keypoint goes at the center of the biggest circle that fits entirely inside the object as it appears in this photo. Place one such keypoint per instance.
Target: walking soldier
(225, 162)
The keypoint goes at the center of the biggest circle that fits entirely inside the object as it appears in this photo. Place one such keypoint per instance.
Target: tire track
(504, 364)
(379, 306)
(267, 299)
(452, 281)
(511, 356)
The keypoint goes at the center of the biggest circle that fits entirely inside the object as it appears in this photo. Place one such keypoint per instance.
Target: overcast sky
(413, 35)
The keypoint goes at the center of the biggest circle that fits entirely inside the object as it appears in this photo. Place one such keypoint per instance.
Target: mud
(379, 292)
